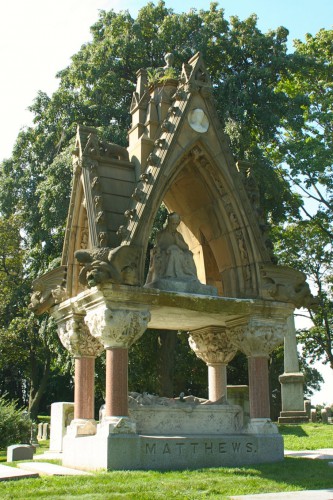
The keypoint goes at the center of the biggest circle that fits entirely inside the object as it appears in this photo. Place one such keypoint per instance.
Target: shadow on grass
(292, 430)
(298, 473)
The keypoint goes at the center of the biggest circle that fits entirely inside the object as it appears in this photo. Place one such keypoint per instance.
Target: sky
(38, 38)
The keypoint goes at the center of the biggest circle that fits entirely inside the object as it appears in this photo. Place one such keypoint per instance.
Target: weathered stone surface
(132, 452)
(187, 419)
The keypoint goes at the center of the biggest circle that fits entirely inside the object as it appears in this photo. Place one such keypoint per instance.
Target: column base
(293, 417)
(116, 425)
(81, 427)
(261, 426)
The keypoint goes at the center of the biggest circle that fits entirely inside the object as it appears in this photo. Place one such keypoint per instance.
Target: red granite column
(258, 387)
(217, 381)
(84, 388)
(116, 397)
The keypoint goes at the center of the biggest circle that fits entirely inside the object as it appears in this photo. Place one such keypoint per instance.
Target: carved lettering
(236, 447)
(222, 447)
(208, 447)
(249, 447)
(151, 449)
(194, 445)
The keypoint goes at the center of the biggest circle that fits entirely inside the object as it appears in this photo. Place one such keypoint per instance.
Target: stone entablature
(111, 307)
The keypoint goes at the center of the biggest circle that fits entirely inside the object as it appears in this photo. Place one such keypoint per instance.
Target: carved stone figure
(285, 284)
(171, 262)
(117, 265)
(171, 257)
(48, 290)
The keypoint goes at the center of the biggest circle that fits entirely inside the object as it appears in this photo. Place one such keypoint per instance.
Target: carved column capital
(212, 345)
(76, 338)
(116, 327)
(259, 336)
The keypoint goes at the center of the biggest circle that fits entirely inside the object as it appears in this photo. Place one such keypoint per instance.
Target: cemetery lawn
(216, 483)
(307, 436)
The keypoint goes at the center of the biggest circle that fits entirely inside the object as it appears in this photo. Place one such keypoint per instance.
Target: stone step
(9, 473)
(294, 420)
(47, 469)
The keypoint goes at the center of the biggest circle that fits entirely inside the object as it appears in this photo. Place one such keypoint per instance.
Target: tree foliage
(15, 426)
(252, 76)
(306, 162)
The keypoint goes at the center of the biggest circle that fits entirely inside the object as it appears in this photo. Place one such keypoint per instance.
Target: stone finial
(169, 59)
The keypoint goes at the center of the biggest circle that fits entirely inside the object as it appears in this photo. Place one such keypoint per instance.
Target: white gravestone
(61, 416)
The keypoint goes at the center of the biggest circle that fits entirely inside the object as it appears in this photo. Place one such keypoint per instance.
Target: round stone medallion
(198, 120)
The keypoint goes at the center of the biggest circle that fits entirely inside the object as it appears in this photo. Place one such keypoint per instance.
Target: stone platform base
(141, 452)
(293, 417)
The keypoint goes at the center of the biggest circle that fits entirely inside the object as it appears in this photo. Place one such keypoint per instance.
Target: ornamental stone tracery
(116, 327)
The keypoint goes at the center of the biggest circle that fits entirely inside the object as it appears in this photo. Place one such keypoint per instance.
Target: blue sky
(38, 38)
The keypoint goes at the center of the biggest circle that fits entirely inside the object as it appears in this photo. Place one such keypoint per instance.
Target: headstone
(239, 395)
(46, 431)
(20, 452)
(307, 407)
(40, 431)
(61, 416)
(313, 415)
(324, 416)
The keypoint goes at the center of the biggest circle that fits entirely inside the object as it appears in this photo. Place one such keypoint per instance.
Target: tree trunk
(167, 341)
(37, 389)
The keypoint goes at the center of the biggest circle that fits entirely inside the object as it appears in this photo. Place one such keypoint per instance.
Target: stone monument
(211, 274)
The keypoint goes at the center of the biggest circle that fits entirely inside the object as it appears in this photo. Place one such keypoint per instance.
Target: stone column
(75, 337)
(292, 395)
(117, 330)
(213, 346)
(116, 390)
(257, 339)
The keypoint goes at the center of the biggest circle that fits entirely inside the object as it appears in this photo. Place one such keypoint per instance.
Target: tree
(306, 161)
(306, 248)
(246, 67)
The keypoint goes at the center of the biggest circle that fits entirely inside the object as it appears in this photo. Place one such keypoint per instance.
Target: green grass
(307, 436)
(290, 475)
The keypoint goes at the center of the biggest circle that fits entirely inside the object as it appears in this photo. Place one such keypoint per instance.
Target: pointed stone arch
(190, 167)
